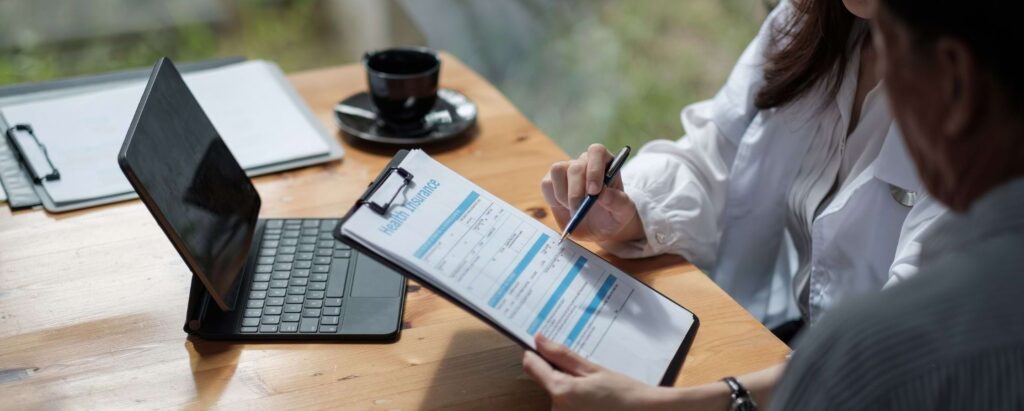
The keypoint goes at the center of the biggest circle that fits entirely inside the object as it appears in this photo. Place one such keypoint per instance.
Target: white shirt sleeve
(679, 187)
(916, 227)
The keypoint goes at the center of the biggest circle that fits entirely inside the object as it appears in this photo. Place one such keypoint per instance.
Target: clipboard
(393, 170)
(15, 180)
(20, 159)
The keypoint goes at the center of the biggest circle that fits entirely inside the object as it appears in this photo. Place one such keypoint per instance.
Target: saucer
(451, 116)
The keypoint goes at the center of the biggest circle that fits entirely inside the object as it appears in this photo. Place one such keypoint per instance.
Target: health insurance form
(512, 269)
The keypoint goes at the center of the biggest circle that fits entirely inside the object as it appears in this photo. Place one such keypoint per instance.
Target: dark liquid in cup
(403, 84)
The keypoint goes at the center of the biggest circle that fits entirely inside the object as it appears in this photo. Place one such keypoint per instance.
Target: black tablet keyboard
(299, 280)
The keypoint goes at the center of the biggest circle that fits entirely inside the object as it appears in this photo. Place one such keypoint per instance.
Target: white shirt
(743, 195)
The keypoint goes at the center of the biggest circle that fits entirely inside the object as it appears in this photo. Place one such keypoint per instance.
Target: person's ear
(958, 87)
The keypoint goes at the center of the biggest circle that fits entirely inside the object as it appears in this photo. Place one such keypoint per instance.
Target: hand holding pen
(611, 215)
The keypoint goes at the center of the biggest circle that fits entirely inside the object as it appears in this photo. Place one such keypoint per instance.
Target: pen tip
(564, 234)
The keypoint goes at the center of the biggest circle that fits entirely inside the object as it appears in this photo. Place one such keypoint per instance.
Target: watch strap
(741, 399)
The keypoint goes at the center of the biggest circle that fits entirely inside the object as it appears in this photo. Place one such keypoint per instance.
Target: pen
(609, 175)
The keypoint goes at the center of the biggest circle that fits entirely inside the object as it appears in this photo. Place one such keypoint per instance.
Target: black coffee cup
(403, 84)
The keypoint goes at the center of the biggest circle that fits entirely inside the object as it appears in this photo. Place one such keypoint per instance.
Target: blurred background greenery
(609, 71)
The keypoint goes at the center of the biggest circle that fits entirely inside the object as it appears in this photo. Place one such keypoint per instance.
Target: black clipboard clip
(382, 209)
(53, 175)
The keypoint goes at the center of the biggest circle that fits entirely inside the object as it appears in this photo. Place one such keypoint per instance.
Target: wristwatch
(741, 400)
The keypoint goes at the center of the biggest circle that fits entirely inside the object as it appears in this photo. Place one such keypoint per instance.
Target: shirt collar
(894, 165)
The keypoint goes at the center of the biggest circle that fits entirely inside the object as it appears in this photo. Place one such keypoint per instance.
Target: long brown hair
(810, 47)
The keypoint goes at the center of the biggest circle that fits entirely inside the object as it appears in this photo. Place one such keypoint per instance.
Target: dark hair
(991, 29)
(808, 48)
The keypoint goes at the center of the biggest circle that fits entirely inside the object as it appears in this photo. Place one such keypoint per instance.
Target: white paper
(247, 103)
(511, 269)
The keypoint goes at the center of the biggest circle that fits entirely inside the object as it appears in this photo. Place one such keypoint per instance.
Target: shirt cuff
(657, 235)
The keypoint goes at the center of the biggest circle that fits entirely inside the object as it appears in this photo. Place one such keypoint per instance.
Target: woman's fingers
(559, 185)
(576, 183)
(547, 187)
(597, 163)
(563, 358)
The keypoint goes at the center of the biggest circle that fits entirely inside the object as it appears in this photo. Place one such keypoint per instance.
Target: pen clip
(616, 164)
(382, 209)
(53, 175)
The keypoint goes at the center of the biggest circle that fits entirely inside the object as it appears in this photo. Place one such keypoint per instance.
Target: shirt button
(660, 237)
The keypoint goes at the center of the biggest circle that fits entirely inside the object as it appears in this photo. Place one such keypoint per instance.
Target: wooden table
(92, 302)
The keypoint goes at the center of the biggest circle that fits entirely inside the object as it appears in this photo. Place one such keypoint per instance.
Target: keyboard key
(293, 308)
(276, 292)
(338, 245)
(268, 328)
(264, 268)
(326, 243)
(272, 236)
(290, 234)
(342, 253)
(321, 268)
(265, 260)
(332, 311)
(313, 304)
(291, 317)
(328, 225)
(278, 301)
(271, 243)
(328, 328)
(249, 329)
(318, 286)
(318, 277)
(289, 327)
(333, 302)
(253, 312)
(300, 272)
(254, 304)
(311, 223)
(297, 281)
(336, 281)
(268, 252)
(272, 230)
(314, 295)
(306, 248)
(301, 264)
(259, 285)
(296, 290)
(275, 223)
(324, 252)
(280, 275)
(292, 222)
(271, 319)
(309, 231)
(308, 325)
(261, 277)
(304, 256)
(307, 240)
(250, 322)
(278, 283)
(286, 250)
(294, 299)
(272, 310)
(329, 320)
(311, 312)
(284, 267)
(285, 258)
(326, 236)
(289, 241)
(256, 295)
